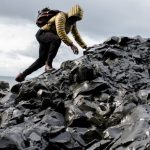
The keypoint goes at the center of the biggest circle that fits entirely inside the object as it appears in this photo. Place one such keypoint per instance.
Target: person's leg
(54, 41)
(43, 52)
(40, 62)
(46, 54)
(54, 46)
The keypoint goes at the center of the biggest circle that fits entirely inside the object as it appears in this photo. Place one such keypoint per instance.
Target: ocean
(9, 79)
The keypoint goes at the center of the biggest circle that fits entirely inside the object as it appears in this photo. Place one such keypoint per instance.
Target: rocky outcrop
(4, 88)
(99, 101)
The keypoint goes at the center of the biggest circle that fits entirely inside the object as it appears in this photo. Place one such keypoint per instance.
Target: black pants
(49, 44)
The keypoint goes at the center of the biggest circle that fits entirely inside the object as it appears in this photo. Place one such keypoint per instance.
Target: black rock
(98, 101)
(4, 85)
(4, 88)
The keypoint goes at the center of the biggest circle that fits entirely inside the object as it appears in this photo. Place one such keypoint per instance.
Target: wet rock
(135, 130)
(113, 40)
(91, 87)
(7, 144)
(83, 73)
(54, 119)
(84, 136)
(2, 94)
(4, 88)
(64, 141)
(75, 117)
(12, 139)
(4, 85)
(98, 101)
(8, 100)
(124, 41)
(67, 65)
(95, 146)
(15, 89)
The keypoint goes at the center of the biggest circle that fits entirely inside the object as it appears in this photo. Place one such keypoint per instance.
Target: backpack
(44, 16)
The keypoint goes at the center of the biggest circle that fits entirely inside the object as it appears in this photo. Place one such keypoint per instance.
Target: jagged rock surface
(4, 88)
(99, 101)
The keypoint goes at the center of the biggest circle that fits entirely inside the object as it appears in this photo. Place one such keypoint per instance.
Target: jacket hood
(76, 11)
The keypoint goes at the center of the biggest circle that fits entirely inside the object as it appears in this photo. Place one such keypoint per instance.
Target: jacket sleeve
(77, 37)
(49, 23)
(60, 28)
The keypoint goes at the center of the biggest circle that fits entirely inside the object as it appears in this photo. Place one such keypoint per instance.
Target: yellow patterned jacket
(59, 24)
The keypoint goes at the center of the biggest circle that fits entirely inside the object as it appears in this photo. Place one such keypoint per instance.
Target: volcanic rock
(4, 88)
(98, 101)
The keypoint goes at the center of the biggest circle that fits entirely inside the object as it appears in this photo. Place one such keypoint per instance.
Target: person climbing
(50, 36)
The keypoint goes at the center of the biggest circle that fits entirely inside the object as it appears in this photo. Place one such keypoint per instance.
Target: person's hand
(74, 49)
(88, 48)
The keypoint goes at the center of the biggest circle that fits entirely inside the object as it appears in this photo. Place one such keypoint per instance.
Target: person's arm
(60, 22)
(77, 37)
(49, 23)
(60, 28)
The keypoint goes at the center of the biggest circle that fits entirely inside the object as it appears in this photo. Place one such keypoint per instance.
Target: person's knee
(42, 60)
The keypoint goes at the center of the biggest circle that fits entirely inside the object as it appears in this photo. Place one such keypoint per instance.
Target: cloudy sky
(102, 19)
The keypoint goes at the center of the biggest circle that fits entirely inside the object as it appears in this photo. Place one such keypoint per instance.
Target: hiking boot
(48, 68)
(20, 77)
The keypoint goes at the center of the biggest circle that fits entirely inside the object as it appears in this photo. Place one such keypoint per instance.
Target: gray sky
(102, 19)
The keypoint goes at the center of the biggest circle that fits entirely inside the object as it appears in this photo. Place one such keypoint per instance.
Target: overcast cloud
(102, 19)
